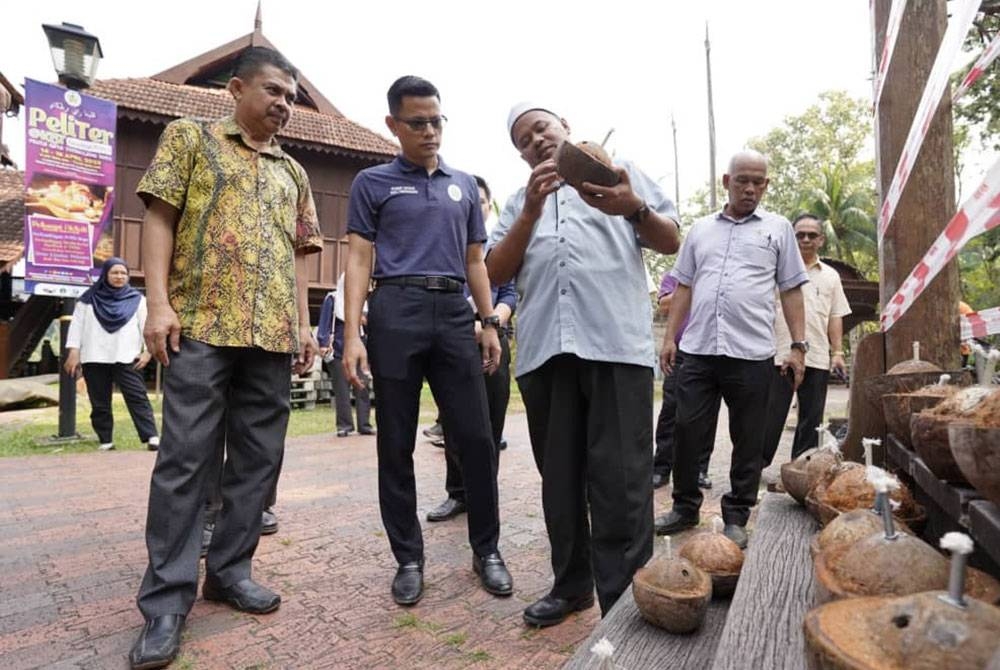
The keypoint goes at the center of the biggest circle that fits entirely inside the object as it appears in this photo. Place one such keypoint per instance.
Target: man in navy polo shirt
(420, 221)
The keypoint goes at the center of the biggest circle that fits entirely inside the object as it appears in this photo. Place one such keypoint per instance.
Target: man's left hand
(838, 366)
(795, 360)
(489, 345)
(308, 348)
(617, 200)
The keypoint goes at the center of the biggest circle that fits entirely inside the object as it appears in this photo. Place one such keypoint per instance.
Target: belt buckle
(436, 283)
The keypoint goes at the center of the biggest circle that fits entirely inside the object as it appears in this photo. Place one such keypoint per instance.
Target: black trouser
(744, 386)
(212, 396)
(590, 434)
(663, 459)
(341, 399)
(497, 397)
(99, 377)
(414, 333)
(812, 401)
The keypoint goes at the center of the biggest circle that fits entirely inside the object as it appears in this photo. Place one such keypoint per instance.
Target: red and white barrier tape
(987, 57)
(979, 213)
(891, 33)
(958, 27)
(980, 324)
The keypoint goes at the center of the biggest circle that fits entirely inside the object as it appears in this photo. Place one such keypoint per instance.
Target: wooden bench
(760, 628)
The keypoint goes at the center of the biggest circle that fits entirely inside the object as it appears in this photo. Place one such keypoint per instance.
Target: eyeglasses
(807, 236)
(418, 125)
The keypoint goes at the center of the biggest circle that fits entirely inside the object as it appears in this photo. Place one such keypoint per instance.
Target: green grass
(456, 639)
(28, 432)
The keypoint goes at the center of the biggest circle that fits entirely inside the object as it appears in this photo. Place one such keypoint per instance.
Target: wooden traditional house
(331, 148)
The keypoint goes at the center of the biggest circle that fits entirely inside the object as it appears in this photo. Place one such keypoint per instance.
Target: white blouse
(97, 345)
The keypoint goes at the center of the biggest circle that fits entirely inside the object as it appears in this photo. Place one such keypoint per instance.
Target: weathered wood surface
(764, 626)
(639, 645)
(865, 417)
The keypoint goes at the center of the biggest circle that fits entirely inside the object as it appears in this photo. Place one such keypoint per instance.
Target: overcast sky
(626, 65)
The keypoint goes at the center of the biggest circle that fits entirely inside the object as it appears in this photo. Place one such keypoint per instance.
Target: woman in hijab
(105, 340)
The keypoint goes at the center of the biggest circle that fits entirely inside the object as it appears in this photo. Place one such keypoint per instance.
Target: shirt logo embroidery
(454, 192)
(403, 190)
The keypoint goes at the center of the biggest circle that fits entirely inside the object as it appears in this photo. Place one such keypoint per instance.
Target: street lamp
(75, 54)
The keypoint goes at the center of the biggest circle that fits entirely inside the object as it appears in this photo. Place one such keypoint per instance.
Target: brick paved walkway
(72, 555)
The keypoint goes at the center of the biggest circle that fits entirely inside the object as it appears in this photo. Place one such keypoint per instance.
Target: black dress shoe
(493, 574)
(268, 522)
(704, 481)
(449, 509)
(245, 595)
(343, 433)
(738, 534)
(673, 522)
(550, 610)
(366, 430)
(502, 444)
(158, 643)
(434, 432)
(660, 480)
(408, 584)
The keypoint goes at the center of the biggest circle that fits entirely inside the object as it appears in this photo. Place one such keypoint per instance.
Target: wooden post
(928, 201)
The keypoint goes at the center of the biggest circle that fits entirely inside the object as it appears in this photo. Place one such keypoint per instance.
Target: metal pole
(67, 383)
(677, 169)
(711, 123)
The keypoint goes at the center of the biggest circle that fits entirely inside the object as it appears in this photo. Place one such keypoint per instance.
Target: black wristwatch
(492, 321)
(802, 346)
(639, 215)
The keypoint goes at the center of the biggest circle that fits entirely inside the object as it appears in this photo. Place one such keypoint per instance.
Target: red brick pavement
(72, 556)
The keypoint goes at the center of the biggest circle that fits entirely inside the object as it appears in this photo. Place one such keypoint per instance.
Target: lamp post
(75, 55)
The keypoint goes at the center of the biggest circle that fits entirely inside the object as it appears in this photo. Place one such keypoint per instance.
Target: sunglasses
(418, 125)
(807, 236)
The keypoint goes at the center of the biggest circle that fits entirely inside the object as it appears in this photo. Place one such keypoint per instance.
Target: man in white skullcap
(585, 359)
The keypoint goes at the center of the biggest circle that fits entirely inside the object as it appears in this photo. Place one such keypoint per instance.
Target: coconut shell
(911, 365)
(850, 489)
(976, 451)
(576, 165)
(672, 594)
(718, 556)
(801, 474)
(929, 435)
(850, 527)
(918, 632)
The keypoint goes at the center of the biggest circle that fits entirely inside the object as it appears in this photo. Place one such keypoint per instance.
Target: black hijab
(112, 306)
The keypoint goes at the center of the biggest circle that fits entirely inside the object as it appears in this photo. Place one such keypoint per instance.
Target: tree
(847, 210)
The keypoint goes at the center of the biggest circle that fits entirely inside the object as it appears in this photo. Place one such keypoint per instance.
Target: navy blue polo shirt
(420, 223)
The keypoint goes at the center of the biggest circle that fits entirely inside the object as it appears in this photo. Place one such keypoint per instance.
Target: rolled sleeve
(169, 173)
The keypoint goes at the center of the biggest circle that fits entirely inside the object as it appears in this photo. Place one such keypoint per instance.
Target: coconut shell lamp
(585, 162)
(671, 592)
(717, 555)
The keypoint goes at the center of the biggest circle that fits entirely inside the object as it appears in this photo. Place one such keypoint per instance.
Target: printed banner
(981, 212)
(891, 33)
(958, 28)
(980, 324)
(987, 57)
(69, 179)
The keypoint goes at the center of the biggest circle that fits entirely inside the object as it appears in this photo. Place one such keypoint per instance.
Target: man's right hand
(162, 329)
(668, 355)
(543, 181)
(355, 356)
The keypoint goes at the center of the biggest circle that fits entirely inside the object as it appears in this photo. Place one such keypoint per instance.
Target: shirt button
(562, 264)
(562, 239)
(563, 291)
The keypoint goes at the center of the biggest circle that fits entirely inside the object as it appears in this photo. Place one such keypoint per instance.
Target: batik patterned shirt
(243, 215)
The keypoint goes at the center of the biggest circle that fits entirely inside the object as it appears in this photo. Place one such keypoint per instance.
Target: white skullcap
(519, 110)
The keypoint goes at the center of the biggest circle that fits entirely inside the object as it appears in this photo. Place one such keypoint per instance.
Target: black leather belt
(446, 284)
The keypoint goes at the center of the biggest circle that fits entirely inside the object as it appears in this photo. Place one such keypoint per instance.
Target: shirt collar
(406, 165)
(814, 264)
(752, 215)
(231, 128)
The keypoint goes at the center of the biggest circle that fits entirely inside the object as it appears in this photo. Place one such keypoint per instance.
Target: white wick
(944, 379)
(881, 480)
(668, 548)
(717, 524)
(957, 543)
(866, 444)
(822, 435)
(603, 648)
(916, 351)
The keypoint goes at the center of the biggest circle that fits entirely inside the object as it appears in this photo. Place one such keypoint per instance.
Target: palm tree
(848, 209)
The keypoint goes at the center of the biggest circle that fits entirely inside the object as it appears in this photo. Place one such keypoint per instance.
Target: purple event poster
(69, 182)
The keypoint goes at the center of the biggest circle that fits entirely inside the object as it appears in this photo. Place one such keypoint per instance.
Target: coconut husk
(918, 632)
(929, 435)
(898, 407)
(718, 556)
(801, 474)
(577, 164)
(850, 527)
(875, 387)
(672, 593)
(913, 365)
(966, 402)
(850, 489)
